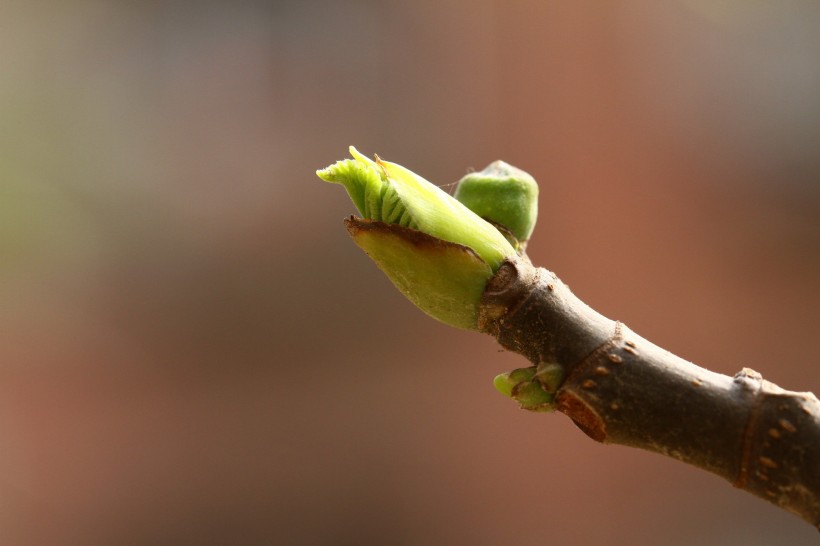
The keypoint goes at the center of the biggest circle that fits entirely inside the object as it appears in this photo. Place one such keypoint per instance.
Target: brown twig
(622, 389)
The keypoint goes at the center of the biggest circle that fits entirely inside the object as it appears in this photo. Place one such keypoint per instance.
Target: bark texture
(620, 388)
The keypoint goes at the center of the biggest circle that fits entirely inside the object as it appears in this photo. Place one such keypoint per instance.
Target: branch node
(751, 382)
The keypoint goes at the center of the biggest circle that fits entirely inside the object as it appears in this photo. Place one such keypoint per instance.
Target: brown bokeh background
(192, 350)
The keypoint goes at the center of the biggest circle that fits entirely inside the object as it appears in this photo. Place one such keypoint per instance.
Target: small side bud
(503, 195)
(523, 386)
(550, 376)
(533, 388)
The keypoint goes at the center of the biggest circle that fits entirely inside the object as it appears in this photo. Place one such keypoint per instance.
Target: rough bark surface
(620, 388)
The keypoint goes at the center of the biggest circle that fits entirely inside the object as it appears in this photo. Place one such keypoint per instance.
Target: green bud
(503, 195)
(550, 376)
(437, 252)
(506, 382)
(533, 388)
(389, 193)
(522, 386)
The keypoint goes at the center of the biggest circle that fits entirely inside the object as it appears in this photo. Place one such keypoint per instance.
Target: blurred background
(192, 351)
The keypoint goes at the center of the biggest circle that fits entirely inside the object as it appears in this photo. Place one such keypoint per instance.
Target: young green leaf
(386, 192)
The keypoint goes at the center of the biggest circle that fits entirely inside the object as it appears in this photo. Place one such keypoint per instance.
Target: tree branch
(471, 272)
(621, 389)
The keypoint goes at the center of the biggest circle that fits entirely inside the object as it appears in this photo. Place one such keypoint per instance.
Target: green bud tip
(504, 195)
(436, 251)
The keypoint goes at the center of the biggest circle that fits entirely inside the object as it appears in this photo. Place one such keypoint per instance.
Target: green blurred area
(193, 351)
